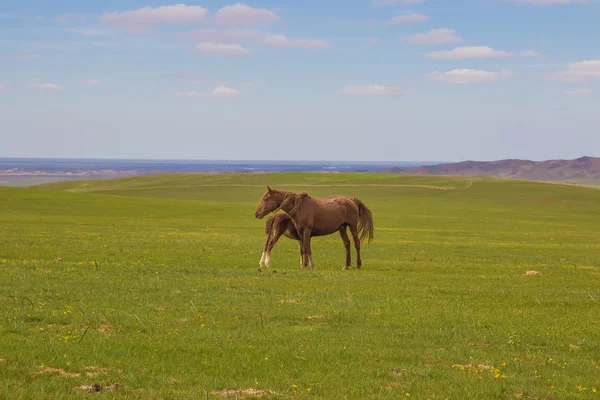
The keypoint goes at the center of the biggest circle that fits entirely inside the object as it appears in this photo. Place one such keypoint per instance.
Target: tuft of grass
(147, 288)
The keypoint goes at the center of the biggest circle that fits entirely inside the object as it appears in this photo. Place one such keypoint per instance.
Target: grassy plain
(152, 283)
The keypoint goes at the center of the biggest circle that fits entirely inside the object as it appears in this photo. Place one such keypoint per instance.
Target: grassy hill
(152, 283)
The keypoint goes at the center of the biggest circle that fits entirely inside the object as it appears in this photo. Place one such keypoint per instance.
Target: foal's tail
(269, 226)
(365, 221)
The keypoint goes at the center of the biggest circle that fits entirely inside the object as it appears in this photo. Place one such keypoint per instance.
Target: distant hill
(560, 170)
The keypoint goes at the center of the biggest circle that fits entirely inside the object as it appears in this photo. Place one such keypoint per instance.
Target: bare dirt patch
(242, 393)
(174, 381)
(94, 371)
(97, 388)
(2, 360)
(105, 328)
(317, 317)
(61, 372)
(398, 372)
(532, 273)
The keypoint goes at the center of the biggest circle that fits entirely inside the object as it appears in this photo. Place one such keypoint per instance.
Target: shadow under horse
(312, 216)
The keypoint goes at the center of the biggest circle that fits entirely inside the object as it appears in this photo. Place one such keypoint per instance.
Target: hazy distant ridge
(580, 168)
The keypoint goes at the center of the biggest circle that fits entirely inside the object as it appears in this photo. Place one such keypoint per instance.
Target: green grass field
(152, 283)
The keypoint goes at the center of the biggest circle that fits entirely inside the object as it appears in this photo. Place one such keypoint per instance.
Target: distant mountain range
(563, 170)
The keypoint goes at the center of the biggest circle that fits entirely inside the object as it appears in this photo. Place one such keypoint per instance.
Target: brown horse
(319, 217)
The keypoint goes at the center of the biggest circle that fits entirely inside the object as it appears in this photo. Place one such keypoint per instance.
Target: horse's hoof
(259, 270)
(274, 271)
(346, 268)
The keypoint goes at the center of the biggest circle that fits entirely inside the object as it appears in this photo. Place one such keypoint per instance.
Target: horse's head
(270, 202)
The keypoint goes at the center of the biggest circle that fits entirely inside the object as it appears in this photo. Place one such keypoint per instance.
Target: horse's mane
(295, 199)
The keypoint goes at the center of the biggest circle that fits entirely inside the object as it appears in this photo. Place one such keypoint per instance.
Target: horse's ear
(302, 194)
(269, 189)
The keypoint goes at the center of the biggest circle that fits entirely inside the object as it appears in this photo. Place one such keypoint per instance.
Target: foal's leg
(276, 233)
(356, 239)
(346, 239)
(265, 247)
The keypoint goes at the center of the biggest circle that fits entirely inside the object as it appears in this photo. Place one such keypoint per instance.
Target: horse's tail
(365, 221)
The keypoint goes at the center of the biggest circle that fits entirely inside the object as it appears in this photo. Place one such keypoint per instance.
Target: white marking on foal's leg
(262, 259)
(268, 260)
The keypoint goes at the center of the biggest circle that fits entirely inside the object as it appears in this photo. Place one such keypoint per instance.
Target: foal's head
(270, 202)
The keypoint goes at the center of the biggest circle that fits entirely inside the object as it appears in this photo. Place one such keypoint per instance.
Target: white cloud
(217, 35)
(44, 86)
(366, 90)
(467, 52)
(4, 86)
(433, 36)
(240, 14)
(224, 91)
(220, 91)
(373, 41)
(578, 72)
(381, 3)
(529, 53)
(283, 41)
(577, 92)
(409, 17)
(178, 14)
(465, 76)
(219, 49)
(95, 82)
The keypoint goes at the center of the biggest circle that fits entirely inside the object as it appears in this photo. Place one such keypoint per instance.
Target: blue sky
(313, 80)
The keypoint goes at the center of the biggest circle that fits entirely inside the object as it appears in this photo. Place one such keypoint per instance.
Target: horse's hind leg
(346, 239)
(356, 239)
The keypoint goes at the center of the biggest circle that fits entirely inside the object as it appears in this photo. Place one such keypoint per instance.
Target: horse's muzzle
(258, 215)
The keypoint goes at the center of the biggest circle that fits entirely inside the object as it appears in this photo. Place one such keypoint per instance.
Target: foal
(277, 225)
